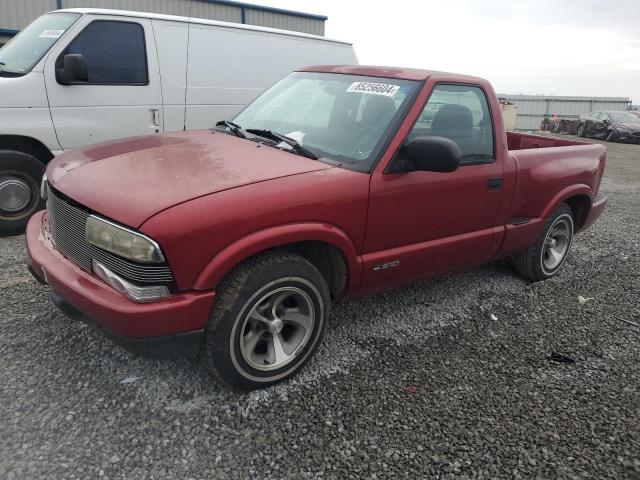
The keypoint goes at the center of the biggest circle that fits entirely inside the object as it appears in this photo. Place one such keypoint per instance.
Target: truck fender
(564, 194)
(273, 237)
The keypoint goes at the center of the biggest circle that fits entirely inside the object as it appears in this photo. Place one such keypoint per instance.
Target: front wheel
(581, 130)
(267, 321)
(543, 259)
(20, 176)
(611, 136)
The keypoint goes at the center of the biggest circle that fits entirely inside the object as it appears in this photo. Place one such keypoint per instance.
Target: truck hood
(133, 179)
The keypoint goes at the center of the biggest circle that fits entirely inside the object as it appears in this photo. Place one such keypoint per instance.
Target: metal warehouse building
(16, 14)
(533, 108)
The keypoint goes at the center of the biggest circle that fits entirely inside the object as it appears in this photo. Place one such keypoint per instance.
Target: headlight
(121, 241)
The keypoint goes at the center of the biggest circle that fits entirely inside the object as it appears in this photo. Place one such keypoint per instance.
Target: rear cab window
(460, 113)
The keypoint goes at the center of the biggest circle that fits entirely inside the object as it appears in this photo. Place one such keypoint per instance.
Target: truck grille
(67, 225)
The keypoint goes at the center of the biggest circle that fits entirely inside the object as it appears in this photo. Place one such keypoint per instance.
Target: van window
(22, 52)
(459, 113)
(115, 53)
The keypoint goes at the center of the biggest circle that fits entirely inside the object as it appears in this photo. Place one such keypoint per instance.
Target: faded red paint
(212, 200)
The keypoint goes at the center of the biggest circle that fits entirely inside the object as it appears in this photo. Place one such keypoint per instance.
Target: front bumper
(596, 210)
(168, 328)
(629, 137)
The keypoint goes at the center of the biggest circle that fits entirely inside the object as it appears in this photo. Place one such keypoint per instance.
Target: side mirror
(432, 154)
(74, 70)
(606, 121)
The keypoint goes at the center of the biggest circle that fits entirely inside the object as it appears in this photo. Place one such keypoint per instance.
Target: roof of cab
(393, 72)
(199, 21)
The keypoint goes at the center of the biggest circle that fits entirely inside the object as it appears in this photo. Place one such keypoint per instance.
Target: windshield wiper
(294, 144)
(2, 63)
(233, 127)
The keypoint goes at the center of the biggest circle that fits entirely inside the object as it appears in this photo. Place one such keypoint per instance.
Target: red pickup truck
(337, 181)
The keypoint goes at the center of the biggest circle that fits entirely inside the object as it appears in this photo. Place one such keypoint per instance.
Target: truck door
(421, 223)
(120, 94)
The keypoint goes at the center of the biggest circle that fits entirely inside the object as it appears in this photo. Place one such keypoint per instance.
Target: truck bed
(525, 141)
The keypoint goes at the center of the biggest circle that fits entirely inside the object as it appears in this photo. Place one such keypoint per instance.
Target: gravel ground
(449, 378)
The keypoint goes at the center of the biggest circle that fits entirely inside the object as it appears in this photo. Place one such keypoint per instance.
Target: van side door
(121, 96)
(423, 223)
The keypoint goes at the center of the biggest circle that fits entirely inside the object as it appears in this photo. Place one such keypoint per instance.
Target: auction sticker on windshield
(51, 34)
(385, 89)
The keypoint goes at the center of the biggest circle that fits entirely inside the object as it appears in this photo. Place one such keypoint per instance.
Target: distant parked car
(612, 126)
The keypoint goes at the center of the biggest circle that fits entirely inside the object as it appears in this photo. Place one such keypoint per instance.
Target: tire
(581, 130)
(20, 176)
(611, 136)
(544, 258)
(247, 320)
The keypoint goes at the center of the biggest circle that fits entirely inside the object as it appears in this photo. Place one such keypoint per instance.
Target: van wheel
(543, 259)
(267, 321)
(581, 130)
(20, 176)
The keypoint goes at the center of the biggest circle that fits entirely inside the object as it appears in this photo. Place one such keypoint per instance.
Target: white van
(75, 77)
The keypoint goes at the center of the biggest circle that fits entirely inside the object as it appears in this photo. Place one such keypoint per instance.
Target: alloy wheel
(276, 328)
(557, 244)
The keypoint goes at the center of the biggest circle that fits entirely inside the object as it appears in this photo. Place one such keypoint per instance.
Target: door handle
(494, 184)
(155, 117)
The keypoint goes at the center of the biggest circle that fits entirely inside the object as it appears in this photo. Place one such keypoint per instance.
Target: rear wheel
(581, 130)
(543, 259)
(20, 176)
(267, 321)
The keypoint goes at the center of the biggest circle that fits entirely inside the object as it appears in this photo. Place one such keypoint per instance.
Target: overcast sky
(553, 47)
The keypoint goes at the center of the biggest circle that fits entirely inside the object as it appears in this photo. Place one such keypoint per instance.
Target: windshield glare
(21, 54)
(623, 117)
(344, 117)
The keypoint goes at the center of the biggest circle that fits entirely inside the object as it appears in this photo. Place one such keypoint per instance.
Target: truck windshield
(341, 118)
(21, 54)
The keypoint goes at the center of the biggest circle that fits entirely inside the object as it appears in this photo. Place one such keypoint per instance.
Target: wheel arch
(580, 206)
(579, 198)
(28, 145)
(328, 248)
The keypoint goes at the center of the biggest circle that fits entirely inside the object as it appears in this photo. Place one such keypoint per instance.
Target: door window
(459, 113)
(115, 53)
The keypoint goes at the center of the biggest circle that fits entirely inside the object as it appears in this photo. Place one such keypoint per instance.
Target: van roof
(199, 21)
